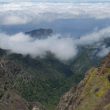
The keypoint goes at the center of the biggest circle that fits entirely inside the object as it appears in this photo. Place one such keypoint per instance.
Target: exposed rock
(37, 106)
(93, 93)
(12, 101)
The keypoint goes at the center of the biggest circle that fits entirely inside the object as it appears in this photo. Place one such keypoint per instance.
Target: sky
(63, 1)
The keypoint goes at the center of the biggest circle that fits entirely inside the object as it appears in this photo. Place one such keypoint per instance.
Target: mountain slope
(46, 79)
(10, 98)
(93, 93)
(12, 101)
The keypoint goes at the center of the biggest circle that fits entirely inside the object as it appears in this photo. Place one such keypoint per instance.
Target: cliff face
(93, 93)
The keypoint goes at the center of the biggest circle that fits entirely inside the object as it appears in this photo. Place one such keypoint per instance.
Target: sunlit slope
(93, 93)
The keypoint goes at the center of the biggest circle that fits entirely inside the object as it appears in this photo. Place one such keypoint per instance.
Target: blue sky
(55, 1)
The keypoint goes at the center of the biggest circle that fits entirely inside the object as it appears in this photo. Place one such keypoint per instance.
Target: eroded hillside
(93, 93)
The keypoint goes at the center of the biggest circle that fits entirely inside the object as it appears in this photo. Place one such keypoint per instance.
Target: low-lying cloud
(104, 51)
(63, 48)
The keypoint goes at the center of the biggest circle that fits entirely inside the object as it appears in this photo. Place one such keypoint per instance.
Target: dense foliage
(45, 80)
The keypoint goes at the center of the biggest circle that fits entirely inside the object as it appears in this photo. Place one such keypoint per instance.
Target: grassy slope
(97, 86)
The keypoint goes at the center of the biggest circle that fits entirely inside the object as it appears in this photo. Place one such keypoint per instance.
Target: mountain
(92, 93)
(44, 80)
(40, 33)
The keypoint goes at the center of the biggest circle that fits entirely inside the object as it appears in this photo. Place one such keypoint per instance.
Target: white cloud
(63, 48)
(27, 12)
(13, 20)
(61, 1)
(104, 51)
(94, 37)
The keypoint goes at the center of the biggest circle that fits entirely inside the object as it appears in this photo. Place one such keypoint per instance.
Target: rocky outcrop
(93, 93)
(12, 101)
(37, 106)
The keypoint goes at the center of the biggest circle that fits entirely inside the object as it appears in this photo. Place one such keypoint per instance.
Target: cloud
(104, 51)
(55, 1)
(13, 20)
(94, 37)
(63, 48)
(28, 12)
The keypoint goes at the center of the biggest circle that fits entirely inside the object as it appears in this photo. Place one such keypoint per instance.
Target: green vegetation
(96, 87)
(46, 80)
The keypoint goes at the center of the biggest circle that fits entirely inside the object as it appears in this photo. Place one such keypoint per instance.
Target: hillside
(92, 93)
(10, 98)
(46, 79)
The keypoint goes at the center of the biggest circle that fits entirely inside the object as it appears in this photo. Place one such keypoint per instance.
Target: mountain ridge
(92, 93)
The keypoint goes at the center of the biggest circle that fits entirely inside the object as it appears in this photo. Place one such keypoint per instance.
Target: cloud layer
(63, 48)
(55, 1)
(28, 12)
